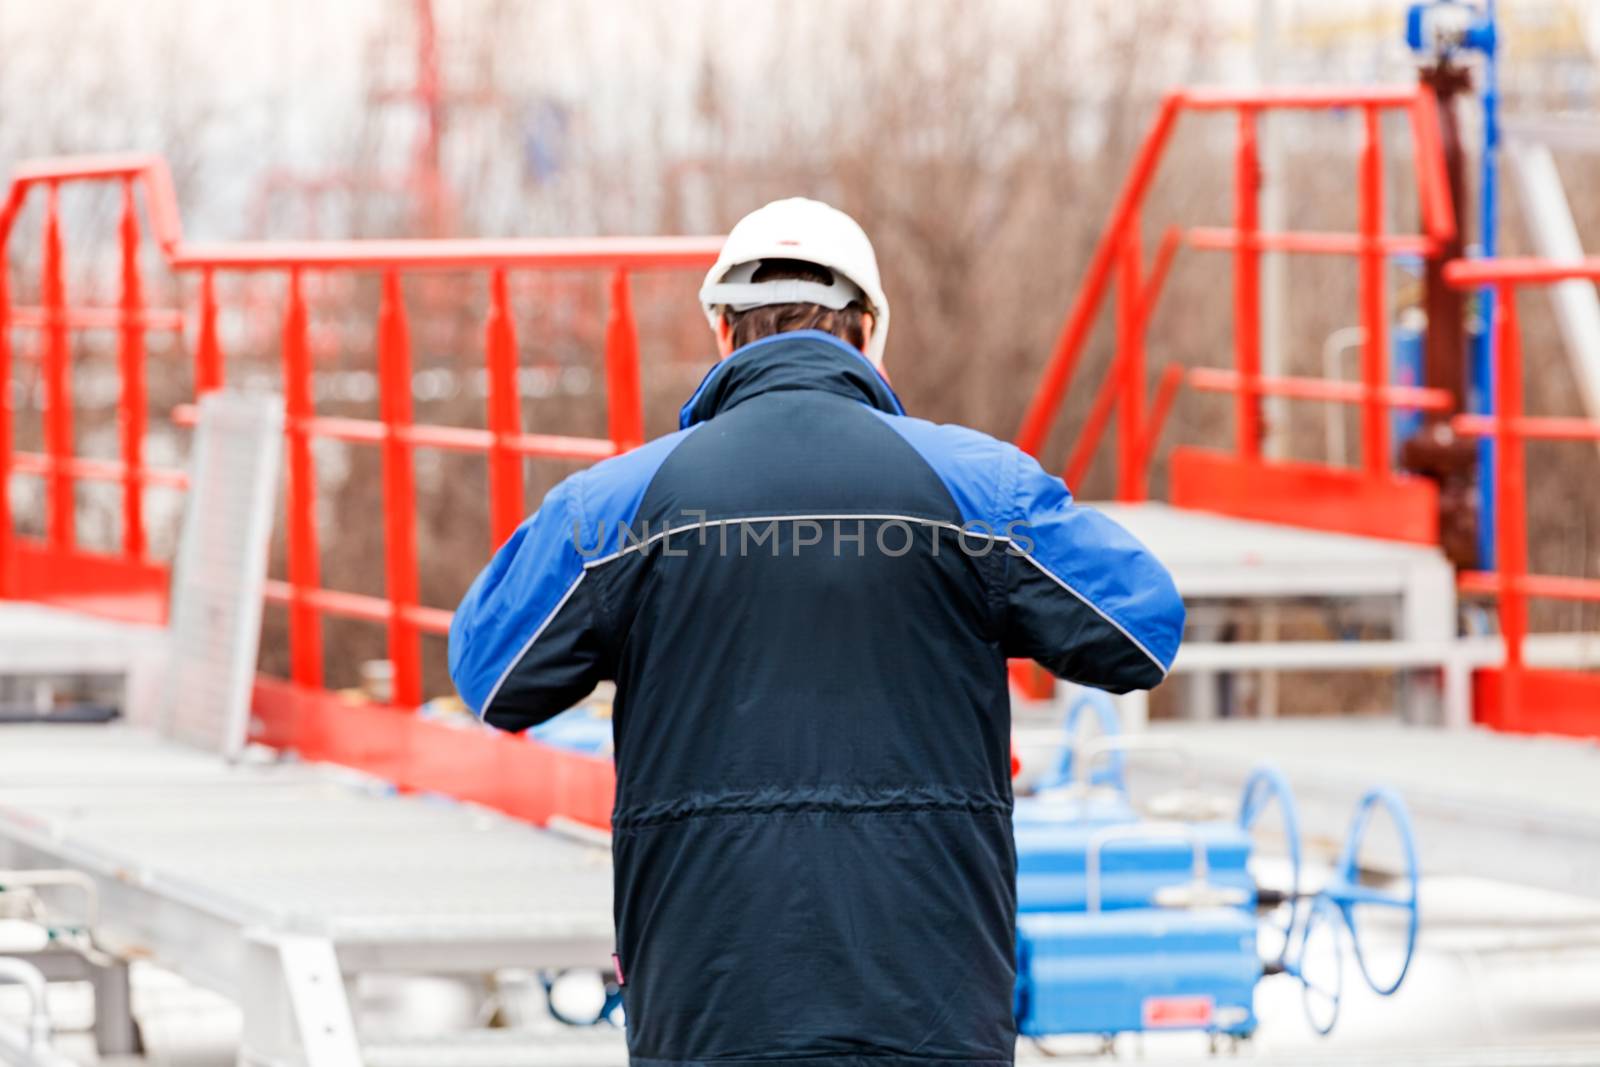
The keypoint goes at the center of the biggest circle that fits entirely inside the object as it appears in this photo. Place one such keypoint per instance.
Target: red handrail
(1511, 582)
(1298, 97)
(130, 364)
(1519, 270)
(394, 432)
(534, 253)
(1124, 388)
(1523, 696)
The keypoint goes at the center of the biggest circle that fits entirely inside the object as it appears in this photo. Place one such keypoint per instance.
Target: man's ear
(867, 324)
(724, 337)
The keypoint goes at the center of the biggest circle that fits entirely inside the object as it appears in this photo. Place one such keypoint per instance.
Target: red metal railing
(1516, 696)
(58, 565)
(1118, 258)
(1512, 697)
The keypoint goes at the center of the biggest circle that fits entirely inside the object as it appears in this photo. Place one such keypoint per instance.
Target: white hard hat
(808, 231)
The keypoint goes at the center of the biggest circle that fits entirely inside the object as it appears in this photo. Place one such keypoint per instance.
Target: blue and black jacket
(807, 600)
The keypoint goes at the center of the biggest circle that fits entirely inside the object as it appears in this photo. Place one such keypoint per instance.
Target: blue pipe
(1483, 343)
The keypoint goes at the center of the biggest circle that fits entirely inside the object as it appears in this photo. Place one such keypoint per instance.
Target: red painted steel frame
(1247, 290)
(58, 568)
(1517, 697)
(305, 568)
(504, 415)
(400, 494)
(1123, 391)
(1130, 347)
(511, 774)
(1374, 314)
(61, 522)
(130, 363)
(1323, 497)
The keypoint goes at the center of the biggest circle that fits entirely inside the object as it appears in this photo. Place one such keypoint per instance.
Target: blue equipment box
(1136, 970)
(1052, 861)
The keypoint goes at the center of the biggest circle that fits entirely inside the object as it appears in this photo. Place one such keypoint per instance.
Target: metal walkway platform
(211, 869)
(1215, 556)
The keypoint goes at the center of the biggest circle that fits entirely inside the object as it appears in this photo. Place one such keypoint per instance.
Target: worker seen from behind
(806, 599)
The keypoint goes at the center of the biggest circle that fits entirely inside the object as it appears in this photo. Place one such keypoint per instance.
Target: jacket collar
(800, 359)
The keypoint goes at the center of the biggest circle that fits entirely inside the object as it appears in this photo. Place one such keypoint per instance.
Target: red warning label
(1178, 1012)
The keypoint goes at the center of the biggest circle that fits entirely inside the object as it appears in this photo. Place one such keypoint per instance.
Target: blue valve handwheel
(1347, 892)
(1100, 705)
(1320, 993)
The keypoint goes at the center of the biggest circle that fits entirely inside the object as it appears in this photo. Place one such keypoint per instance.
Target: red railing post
(57, 379)
(305, 625)
(208, 352)
(626, 410)
(506, 493)
(1510, 497)
(1167, 387)
(1247, 287)
(1374, 322)
(399, 493)
(1130, 364)
(5, 430)
(130, 358)
(1094, 426)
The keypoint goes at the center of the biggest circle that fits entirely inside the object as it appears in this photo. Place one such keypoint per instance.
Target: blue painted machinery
(1138, 957)
(1130, 924)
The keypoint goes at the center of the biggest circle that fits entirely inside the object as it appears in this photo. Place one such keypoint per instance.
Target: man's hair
(845, 324)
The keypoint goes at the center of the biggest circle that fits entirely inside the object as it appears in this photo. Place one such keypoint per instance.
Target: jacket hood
(801, 359)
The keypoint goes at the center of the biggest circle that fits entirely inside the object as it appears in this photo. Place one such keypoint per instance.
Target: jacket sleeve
(523, 643)
(1083, 597)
